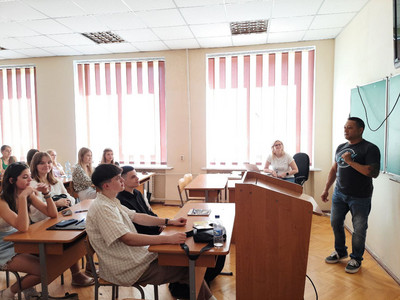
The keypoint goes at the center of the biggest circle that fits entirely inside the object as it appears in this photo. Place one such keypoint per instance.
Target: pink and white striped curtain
(254, 99)
(121, 105)
(18, 111)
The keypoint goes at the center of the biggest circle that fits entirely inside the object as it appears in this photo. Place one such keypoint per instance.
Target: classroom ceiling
(39, 28)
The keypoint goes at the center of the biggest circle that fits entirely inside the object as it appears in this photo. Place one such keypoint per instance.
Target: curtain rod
(119, 60)
(261, 51)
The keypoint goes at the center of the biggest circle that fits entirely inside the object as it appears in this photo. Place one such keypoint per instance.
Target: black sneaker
(334, 258)
(353, 266)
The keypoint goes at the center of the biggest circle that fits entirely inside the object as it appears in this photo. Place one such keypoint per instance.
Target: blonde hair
(37, 158)
(81, 154)
(272, 148)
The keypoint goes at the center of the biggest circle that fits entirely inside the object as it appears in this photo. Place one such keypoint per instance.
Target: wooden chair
(181, 188)
(98, 282)
(18, 280)
(182, 183)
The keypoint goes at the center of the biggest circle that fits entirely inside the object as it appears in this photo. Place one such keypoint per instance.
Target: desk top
(37, 232)
(208, 182)
(144, 176)
(227, 216)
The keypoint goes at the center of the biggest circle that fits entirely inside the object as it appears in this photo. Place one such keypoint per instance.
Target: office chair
(101, 282)
(303, 164)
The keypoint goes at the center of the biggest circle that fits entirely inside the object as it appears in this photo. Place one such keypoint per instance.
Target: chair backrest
(303, 164)
(188, 178)
(181, 184)
(89, 255)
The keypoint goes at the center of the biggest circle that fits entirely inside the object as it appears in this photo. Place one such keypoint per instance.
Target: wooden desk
(207, 185)
(173, 255)
(57, 249)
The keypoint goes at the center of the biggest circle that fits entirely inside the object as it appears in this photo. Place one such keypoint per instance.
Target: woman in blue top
(16, 198)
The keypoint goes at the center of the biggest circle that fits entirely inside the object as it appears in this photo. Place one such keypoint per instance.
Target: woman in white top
(58, 170)
(42, 173)
(81, 176)
(280, 164)
(16, 198)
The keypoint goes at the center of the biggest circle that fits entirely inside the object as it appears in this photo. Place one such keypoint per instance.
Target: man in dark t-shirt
(133, 199)
(356, 163)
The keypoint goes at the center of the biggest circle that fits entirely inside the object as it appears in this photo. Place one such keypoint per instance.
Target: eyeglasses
(277, 145)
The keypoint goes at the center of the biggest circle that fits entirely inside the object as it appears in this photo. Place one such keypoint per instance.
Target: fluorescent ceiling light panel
(103, 37)
(248, 27)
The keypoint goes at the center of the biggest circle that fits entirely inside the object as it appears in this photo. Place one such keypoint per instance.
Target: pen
(79, 211)
(80, 221)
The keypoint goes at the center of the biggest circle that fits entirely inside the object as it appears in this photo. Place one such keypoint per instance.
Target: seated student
(58, 170)
(108, 157)
(81, 175)
(133, 199)
(6, 158)
(30, 155)
(42, 173)
(16, 199)
(123, 253)
(280, 164)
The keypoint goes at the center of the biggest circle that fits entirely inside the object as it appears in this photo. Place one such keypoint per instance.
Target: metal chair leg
(156, 292)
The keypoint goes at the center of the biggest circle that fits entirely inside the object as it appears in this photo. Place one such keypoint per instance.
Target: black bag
(202, 235)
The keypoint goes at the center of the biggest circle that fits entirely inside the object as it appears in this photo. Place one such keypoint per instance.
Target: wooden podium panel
(272, 235)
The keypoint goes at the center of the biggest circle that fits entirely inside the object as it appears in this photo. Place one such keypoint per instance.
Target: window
(121, 105)
(18, 117)
(254, 99)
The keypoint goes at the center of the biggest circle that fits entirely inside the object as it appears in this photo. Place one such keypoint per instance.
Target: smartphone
(65, 223)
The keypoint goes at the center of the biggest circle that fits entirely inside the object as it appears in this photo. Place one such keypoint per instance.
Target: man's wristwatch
(166, 221)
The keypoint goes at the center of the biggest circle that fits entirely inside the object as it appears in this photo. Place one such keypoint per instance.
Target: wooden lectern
(272, 232)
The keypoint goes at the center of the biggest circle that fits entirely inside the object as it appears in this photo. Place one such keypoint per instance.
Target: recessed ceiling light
(103, 37)
(247, 27)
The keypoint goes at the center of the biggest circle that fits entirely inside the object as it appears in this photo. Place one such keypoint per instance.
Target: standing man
(356, 163)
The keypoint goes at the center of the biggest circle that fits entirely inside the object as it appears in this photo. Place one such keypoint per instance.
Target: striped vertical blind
(121, 105)
(18, 111)
(254, 99)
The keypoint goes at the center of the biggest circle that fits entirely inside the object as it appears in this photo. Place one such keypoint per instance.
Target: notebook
(80, 225)
(199, 212)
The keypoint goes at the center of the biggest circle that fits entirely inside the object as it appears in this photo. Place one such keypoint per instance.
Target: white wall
(363, 54)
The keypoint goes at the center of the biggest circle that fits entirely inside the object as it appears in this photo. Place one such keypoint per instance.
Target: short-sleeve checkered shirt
(107, 220)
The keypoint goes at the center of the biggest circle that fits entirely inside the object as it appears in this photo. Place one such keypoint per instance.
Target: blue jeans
(360, 209)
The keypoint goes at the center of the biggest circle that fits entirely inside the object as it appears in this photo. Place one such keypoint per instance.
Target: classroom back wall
(185, 96)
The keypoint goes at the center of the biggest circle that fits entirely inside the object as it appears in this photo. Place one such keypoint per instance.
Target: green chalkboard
(374, 98)
(393, 141)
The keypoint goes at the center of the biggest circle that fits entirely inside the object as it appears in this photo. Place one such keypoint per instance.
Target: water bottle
(218, 231)
(68, 169)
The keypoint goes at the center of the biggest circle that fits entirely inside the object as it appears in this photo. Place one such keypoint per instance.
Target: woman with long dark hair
(16, 198)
